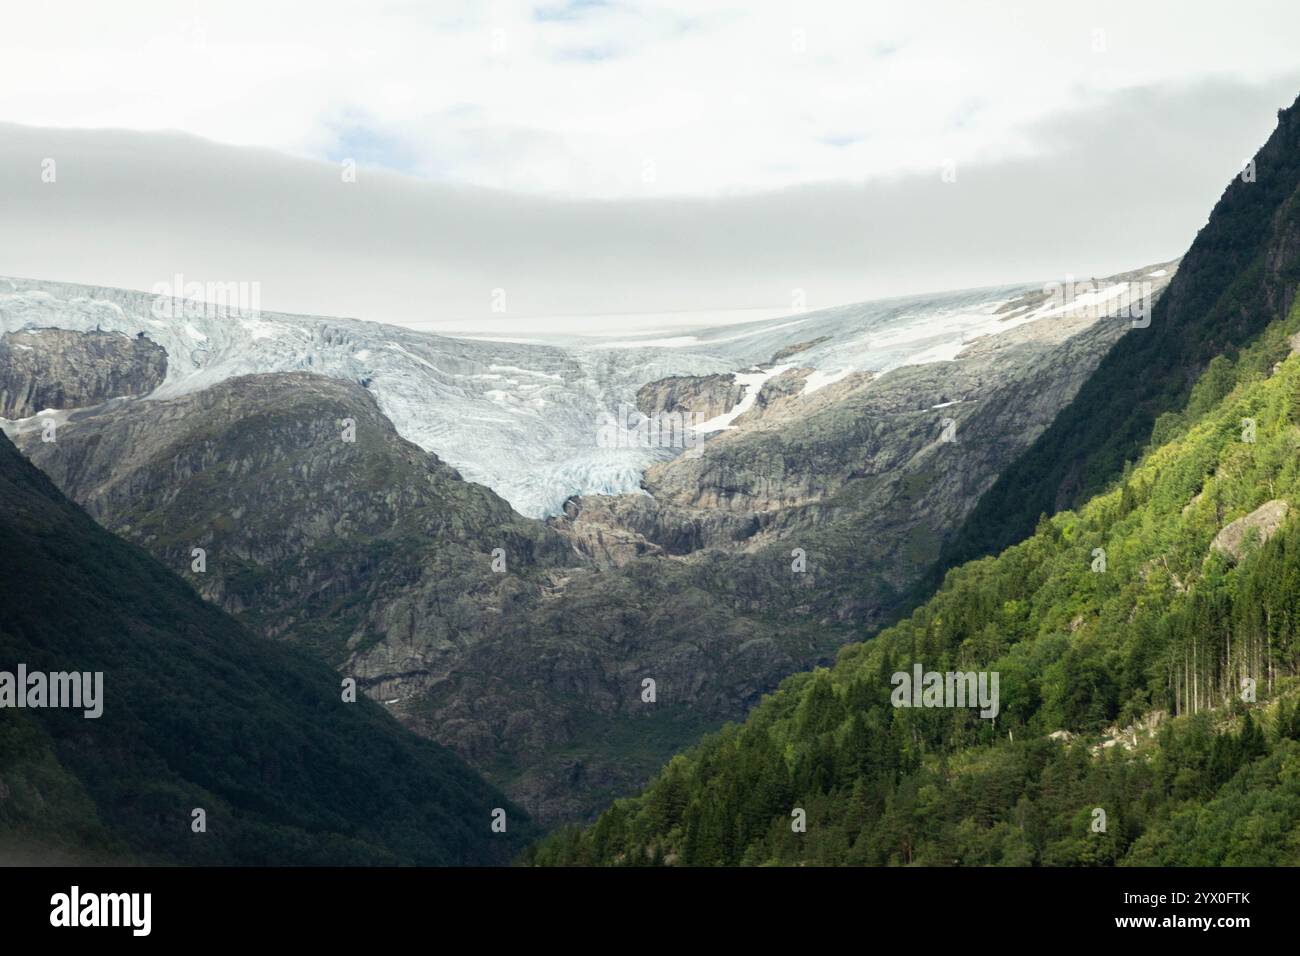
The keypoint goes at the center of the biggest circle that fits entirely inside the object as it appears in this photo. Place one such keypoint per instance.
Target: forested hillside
(198, 713)
(1129, 637)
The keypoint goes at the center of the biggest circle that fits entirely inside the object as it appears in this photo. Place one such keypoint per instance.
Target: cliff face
(57, 368)
(705, 395)
(1239, 275)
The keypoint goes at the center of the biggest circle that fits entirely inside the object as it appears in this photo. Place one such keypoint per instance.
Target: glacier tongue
(522, 418)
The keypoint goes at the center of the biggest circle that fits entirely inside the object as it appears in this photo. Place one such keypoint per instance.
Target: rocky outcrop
(608, 529)
(705, 395)
(779, 390)
(57, 368)
(1257, 527)
(784, 353)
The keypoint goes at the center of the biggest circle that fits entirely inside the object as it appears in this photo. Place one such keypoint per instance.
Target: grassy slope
(198, 713)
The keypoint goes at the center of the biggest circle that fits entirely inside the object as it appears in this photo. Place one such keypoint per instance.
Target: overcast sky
(614, 157)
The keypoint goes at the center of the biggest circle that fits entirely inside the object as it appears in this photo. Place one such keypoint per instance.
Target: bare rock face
(604, 528)
(859, 482)
(307, 534)
(777, 391)
(782, 354)
(705, 395)
(57, 368)
(1260, 525)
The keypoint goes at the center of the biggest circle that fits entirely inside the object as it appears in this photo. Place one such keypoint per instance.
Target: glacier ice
(519, 417)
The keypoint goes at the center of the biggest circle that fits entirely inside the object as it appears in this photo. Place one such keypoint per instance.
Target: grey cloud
(1124, 183)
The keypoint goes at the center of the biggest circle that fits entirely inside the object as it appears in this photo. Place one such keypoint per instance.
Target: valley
(382, 559)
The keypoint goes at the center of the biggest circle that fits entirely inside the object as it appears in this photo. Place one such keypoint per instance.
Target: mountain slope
(1159, 597)
(379, 558)
(1121, 688)
(1240, 274)
(333, 541)
(868, 475)
(198, 713)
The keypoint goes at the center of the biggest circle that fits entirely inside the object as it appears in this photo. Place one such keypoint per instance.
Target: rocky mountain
(316, 520)
(705, 395)
(869, 475)
(532, 661)
(195, 713)
(377, 556)
(58, 368)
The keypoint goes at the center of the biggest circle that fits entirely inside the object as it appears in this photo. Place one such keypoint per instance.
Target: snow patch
(819, 379)
(753, 384)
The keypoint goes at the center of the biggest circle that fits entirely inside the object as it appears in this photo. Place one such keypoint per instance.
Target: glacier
(521, 417)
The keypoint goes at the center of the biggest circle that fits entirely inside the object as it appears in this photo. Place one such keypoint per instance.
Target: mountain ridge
(198, 713)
